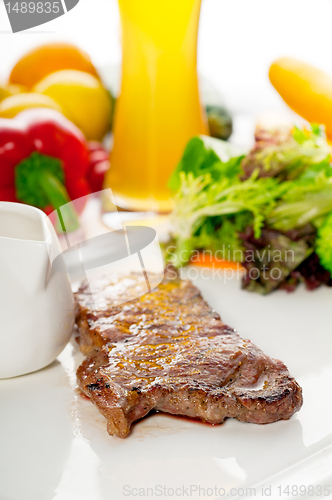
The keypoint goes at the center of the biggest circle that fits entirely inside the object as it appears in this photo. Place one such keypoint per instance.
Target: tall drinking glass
(159, 109)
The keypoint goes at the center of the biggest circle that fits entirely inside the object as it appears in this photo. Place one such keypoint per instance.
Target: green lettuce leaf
(200, 158)
(199, 199)
(286, 153)
(221, 235)
(324, 243)
(304, 200)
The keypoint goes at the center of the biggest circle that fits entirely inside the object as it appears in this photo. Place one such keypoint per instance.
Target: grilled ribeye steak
(169, 351)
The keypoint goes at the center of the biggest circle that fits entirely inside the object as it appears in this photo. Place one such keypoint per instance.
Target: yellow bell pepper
(306, 89)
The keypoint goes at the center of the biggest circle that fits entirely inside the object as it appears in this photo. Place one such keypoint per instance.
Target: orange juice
(158, 110)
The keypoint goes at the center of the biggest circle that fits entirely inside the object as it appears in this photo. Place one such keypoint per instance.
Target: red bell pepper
(44, 160)
(99, 163)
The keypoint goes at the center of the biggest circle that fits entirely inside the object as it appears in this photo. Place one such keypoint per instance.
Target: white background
(238, 40)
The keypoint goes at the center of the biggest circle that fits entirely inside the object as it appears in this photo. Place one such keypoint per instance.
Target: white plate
(54, 443)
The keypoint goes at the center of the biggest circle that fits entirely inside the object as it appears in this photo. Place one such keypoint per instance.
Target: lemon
(4, 92)
(14, 104)
(8, 90)
(83, 99)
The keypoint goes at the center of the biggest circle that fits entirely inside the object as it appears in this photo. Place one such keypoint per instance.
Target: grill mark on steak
(169, 351)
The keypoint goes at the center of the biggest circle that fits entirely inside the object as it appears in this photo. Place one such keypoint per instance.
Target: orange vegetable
(48, 58)
(306, 89)
(204, 260)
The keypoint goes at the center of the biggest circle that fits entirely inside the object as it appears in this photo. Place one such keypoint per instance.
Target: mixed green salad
(270, 210)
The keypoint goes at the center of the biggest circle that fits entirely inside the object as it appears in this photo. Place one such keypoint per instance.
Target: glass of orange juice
(158, 109)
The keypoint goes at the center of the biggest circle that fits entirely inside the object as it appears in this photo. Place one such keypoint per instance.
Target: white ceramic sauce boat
(36, 302)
